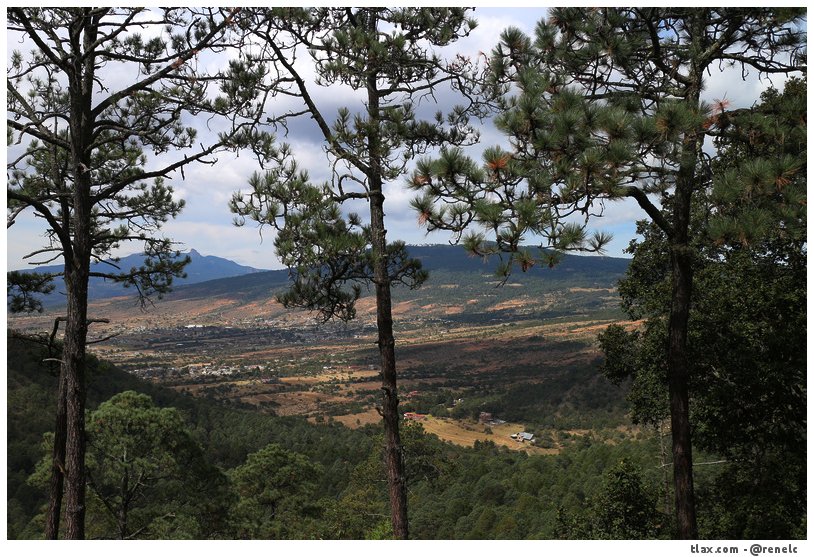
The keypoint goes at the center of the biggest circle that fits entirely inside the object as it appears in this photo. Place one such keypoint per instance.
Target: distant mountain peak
(202, 268)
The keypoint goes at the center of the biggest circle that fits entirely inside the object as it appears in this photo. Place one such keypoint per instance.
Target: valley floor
(528, 374)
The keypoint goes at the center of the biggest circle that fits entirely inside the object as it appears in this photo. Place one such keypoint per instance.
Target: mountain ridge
(450, 267)
(202, 268)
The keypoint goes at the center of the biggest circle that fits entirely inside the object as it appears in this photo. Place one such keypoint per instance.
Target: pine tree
(148, 478)
(747, 328)
(608, 106)
(95, 155)
(759, 171)
(388, 56)
(22, 290)
(623, 509)
(277, 495)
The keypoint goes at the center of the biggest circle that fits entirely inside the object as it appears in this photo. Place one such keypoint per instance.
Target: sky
(206, 223)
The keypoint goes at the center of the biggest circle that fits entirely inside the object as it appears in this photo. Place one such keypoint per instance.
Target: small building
(523, 436)
(485, 417)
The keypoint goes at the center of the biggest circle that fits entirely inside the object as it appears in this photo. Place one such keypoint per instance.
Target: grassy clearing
(466, 433)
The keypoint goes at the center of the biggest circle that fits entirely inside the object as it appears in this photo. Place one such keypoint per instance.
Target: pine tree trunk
(73, 367)
(678, 374)
(56, 484)
(394, 457)
(73, 357)
(77, 270)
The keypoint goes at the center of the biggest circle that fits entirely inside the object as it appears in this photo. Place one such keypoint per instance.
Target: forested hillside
(337, 491)
(246, 474)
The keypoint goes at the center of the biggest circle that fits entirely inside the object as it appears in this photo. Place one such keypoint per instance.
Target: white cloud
(741, 90)
(491, 23)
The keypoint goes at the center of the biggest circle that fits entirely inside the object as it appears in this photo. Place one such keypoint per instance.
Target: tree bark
(678, 379)
(74, 370)
(394, 456)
